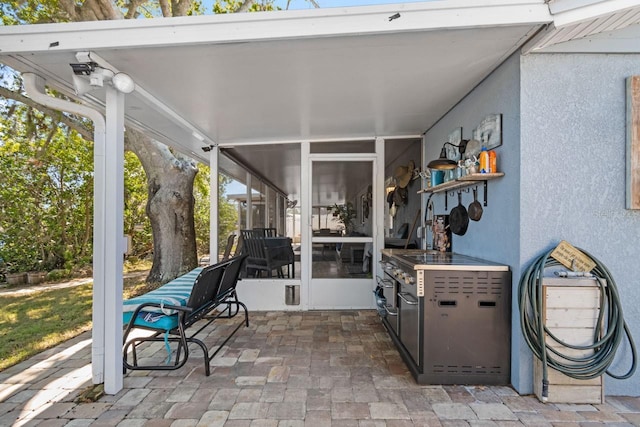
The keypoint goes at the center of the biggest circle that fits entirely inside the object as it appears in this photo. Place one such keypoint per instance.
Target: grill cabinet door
(467, 330)
(409, 313)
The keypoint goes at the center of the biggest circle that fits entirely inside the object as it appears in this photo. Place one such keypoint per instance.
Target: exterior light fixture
(88, 76)
(123, 83)
(444, 163)
(84, 68)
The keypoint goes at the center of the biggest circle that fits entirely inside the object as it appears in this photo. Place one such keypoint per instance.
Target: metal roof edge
(557, 6)
(243, 27)
(577, 20)
(585, 11)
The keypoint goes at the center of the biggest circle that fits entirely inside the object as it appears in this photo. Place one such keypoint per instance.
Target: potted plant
(345, 214)
(15, 274)
(36, 274)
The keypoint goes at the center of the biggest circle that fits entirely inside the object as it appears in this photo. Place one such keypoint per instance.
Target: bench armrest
(162, 307)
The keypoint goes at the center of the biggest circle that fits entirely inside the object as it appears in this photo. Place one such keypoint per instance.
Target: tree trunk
(170, 207)
(170, 177)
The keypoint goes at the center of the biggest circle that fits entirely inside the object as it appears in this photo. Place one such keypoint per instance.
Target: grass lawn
(35, 322)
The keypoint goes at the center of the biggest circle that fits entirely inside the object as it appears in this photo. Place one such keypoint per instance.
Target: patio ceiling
(287, 76)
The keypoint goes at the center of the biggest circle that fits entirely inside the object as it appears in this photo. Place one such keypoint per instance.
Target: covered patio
(343, 87)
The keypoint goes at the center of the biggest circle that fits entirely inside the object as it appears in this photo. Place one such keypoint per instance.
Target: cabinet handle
(403, 295)
(389, 312)
(385, 283)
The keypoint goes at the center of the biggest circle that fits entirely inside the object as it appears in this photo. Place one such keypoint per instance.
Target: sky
(236, 188)
(301, 4)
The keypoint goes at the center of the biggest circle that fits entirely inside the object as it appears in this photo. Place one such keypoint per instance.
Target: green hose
(607, 337)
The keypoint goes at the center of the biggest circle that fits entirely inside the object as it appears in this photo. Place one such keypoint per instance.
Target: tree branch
(181, 7)
(165, 8)
(132, 8)
(56, 115)
(70, 9)
(104, 9)
(244, 7)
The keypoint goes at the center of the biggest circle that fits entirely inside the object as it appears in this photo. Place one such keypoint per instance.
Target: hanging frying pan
(459, 218)
(400, 196)
(390, 198)
(475, 208)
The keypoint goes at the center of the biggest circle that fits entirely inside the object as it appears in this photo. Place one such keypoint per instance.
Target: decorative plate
(473, 149)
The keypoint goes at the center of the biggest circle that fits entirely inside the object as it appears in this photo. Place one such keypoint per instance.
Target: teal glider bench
(205, 294)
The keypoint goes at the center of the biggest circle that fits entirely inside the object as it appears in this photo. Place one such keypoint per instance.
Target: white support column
(279, 214)
(114, 239)
(249, 210)
(35, 86)
(108, 159)
(305, 224)
(214, 197)
(267, 197)
(379, 200)
(99, 233)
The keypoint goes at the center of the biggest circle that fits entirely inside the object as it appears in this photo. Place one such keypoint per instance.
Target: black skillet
(475, 208)
(459, 218)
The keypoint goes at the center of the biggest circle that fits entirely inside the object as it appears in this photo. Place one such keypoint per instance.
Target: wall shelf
(462, 182)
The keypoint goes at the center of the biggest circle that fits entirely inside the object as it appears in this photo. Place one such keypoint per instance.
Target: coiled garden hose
(607, 337)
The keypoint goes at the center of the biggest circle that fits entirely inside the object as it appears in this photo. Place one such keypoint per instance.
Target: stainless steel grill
(453, 317)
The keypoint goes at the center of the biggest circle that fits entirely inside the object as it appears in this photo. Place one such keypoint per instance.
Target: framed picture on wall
(489, 131)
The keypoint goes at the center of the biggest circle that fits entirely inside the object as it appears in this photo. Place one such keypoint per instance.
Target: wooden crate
(570, 309)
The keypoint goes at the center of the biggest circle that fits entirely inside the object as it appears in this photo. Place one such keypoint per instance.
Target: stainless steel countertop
(434, 260)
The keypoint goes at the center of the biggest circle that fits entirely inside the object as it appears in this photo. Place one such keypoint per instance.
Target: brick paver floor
(293, 369)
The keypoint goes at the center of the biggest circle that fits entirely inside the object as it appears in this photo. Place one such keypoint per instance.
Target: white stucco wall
(573, 172)
(563, 154)
(496, 236)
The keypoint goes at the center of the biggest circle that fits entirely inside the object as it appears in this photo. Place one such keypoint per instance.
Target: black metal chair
(227, 250)
(268, 231)
(266, 254)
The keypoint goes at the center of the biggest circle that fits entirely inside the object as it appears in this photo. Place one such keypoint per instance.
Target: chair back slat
(206, 286)
(227, 250)
(253, 243)
(267, 232)
(231, 275)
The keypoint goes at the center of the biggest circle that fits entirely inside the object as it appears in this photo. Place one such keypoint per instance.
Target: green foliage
(16, 12)
(230, 6)
(136, 221)
(46, 199)
(57, 275)
(345, 214)
(227, 213)
(201, 209)
(46, 208)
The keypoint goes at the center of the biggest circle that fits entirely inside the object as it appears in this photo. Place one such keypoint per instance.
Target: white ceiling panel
(346, 73)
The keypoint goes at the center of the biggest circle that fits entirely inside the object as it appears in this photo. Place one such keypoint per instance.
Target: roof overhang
(287, 75)
(317, 75)
(580, 19)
